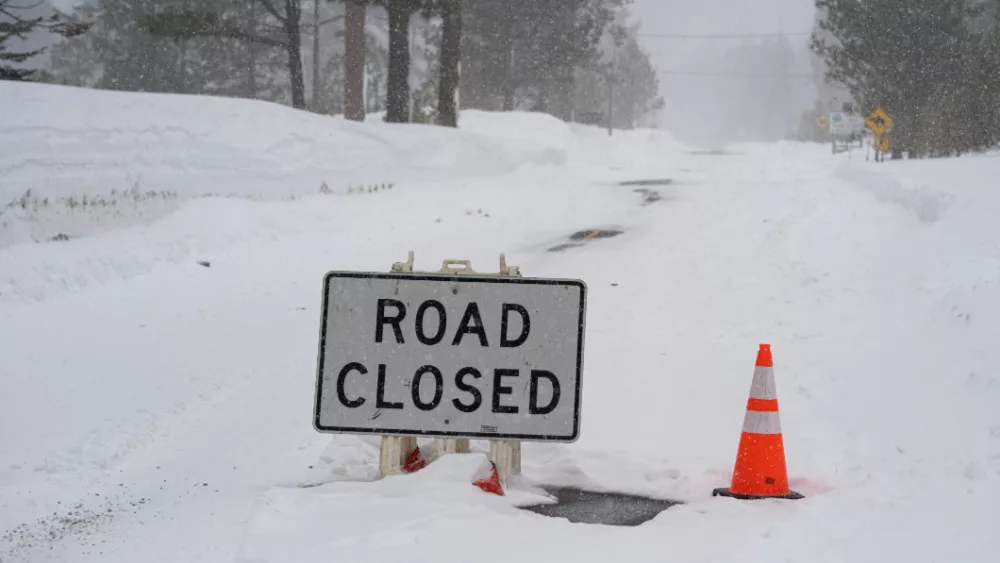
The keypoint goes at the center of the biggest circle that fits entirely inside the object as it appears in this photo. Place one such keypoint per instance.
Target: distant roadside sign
(840, 124)
(882, 144)
(445, 355)
(857, 124)
(879, 121)
(822, 122)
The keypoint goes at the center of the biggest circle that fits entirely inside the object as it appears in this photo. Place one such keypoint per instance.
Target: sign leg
(506, 455)
(393, 453)
(451, 446)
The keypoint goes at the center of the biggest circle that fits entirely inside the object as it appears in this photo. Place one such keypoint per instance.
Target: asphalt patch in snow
(712, 152)
(650, 182)
(590, 507)
(579, 238)
(649, 196)
(565, 246)
(591, 234)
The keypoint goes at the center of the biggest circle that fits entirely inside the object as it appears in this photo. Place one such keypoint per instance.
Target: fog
(720, 106)
(753, 83)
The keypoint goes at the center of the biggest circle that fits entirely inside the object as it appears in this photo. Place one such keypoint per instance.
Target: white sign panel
(461, 356)
(857, 124)
(840, 124)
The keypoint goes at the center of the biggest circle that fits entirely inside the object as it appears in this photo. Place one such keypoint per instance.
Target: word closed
(438, 355)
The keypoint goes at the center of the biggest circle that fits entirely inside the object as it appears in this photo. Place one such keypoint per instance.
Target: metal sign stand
(394, 450)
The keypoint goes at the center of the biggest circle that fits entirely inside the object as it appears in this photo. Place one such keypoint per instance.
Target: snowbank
(95, 161)
(57, 141)
(162, 407)
(64, 150)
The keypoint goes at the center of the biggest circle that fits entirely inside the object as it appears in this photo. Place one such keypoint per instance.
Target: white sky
(685, 95)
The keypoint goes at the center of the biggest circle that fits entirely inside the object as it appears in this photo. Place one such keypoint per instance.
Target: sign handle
(457, 267)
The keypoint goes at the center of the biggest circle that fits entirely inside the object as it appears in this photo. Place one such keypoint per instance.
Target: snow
(168, 146)
(153, 409)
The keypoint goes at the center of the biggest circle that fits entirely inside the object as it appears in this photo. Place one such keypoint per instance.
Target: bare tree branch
(331, 20)
(270, 8)
(237, 33)
(195, 24)
(31, 7)
(311, 28)
(20, 25)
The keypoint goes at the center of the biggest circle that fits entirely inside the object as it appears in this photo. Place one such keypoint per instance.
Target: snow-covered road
(153, 409)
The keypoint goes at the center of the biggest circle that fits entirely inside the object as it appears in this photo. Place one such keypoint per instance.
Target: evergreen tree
(377, 75)
(425, 68)
(530, 50)
(282, 28)
(17, 21)
(398, 81)
(119, 54)
(637, 85)
(921, 60)
(621, 88)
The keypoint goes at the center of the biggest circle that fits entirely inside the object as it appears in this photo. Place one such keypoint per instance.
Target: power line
(731, 36)
(737, 74)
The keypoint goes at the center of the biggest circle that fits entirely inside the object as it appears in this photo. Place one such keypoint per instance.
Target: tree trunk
(251, 26)
(315, 57)
(507, 44)
(354, 61)
(398, 96)
(451, 54)
(293, 17)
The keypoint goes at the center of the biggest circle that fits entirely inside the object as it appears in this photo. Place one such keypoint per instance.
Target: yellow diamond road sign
(879, 121)
(822, 122)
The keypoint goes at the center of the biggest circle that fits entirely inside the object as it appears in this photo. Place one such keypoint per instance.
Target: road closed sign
(444, 355)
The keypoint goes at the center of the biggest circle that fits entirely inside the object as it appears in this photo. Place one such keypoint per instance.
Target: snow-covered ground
(153, 409)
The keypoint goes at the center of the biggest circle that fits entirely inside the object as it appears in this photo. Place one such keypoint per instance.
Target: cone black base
(792, 495)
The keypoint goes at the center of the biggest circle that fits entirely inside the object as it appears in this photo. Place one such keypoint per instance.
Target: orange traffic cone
(760, 463)
(492, 483)
(415, 462)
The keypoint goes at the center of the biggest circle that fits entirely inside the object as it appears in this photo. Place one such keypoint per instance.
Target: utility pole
(611, 105)
(611, 89)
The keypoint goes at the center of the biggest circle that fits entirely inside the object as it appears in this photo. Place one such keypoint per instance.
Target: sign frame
(449, 278)
(839, 124)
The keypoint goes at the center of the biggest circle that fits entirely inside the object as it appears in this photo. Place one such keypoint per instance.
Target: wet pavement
(589, 507)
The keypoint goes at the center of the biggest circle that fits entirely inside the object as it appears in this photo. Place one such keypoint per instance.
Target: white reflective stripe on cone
(763, 384)
(756, 422)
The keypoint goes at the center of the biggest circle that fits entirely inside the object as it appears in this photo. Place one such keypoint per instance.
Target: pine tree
(377, 75)
(621, 87)
(530, 49)
(918, 59)
(193, 19)
(425, 68)
(118, 54)
(17, 21)
(487, 43)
